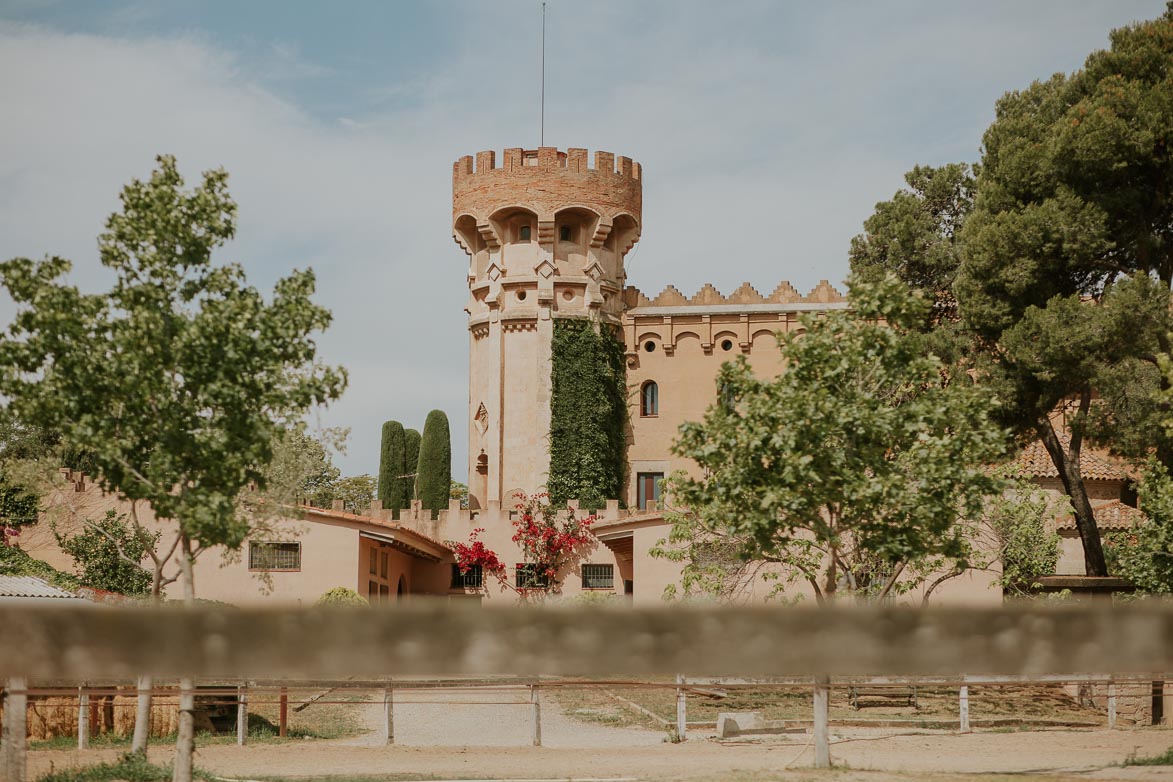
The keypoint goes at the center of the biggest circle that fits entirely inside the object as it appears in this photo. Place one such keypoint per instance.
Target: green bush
(131, 767)
(341, 596)
(434, 470)
(588, 415)
(411, 458)
(392, 466)
(99, 551)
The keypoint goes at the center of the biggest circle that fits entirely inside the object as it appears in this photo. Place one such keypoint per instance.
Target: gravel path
(488, 718)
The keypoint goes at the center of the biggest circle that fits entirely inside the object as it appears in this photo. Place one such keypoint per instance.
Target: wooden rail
(72, 645)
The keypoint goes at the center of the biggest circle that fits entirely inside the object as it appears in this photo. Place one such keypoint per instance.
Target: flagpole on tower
(542, 135)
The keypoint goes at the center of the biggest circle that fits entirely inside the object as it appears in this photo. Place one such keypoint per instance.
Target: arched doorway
(401, 590)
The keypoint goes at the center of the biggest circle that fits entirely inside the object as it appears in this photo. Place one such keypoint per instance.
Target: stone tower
(546, 234)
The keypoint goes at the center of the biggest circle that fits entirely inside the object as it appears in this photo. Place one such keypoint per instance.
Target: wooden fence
(418, 638)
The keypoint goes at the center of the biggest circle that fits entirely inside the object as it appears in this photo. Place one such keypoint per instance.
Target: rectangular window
(383, 569)
(528, 577)
(372, 592)
(274, 556)
(472, 578)
(374, 561)
(647, 487)
(384, 593)
(598, 576)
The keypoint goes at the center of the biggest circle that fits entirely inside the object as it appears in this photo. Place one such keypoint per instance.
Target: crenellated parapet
(712, 323)
(709, 297)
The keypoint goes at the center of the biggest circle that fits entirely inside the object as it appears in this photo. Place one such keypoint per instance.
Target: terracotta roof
(355, 517)
(1109, 515)
(1094, 464)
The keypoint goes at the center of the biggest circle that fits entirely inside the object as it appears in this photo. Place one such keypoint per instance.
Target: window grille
(598, 576)
(473, 578)
(274, 556)
(527, 576)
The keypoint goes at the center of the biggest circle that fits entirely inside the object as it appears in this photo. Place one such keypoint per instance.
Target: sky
(767, 132)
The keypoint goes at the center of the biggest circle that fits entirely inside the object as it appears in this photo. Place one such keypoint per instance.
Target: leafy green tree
(1027, 548)
(411, 459)
(588, 415)
(177, 380)
(392, 466)
(459, 491)
(110, 553)
(1144, 554)
(356, 492)
(1068, 258)
(434, 469)
(301, 468)
(853, 464)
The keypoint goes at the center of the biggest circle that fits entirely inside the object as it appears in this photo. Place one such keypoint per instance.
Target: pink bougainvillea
(550, 539)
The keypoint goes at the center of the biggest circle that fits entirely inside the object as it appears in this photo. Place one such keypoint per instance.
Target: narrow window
(523, 233)
(649, 400)
(374, 569)
(274, 556)
(372, 592)
(384, 593)
(647, 488)
(564, 233)
(598, 576)
(383, 568)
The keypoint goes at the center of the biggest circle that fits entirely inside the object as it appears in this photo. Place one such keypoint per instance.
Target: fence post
(822, 706)
(681, 709)
(16, 730)
(283, 713)
(964, 708)
(83, 717)
(242, 714)
(389, 713)
(1111, 705)
(536, 699)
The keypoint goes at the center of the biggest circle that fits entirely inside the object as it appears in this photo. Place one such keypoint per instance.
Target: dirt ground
(488, 735)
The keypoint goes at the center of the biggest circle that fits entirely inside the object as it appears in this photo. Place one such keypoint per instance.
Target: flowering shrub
(550, 539)
(474, 553)
(8, 536)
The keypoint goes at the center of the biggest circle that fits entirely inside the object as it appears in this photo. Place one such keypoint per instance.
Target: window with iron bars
(598, 576)
(473, 578)
(527, 576)
(274, 556)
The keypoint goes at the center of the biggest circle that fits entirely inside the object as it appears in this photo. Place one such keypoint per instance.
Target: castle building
(546, 233)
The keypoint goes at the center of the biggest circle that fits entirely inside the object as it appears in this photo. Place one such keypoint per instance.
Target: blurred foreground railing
(420, 638)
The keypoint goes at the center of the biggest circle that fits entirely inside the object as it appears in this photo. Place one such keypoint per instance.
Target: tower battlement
(517, 159)
(546, 180)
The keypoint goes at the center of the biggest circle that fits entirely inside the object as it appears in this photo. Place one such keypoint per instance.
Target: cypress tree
(434, 471)
(392, 465)
(411, 458)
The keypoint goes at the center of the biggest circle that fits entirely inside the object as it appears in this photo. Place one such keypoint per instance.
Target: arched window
(649, 400)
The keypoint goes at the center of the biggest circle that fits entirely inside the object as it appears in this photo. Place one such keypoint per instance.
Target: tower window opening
(649, 400)
(565, 233)
(523, 233)
(650, 346)
(521, 295)
(726, 345)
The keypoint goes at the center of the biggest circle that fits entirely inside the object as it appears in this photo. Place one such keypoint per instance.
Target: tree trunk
(1067, 464)
(185, 739)
(142, 716)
